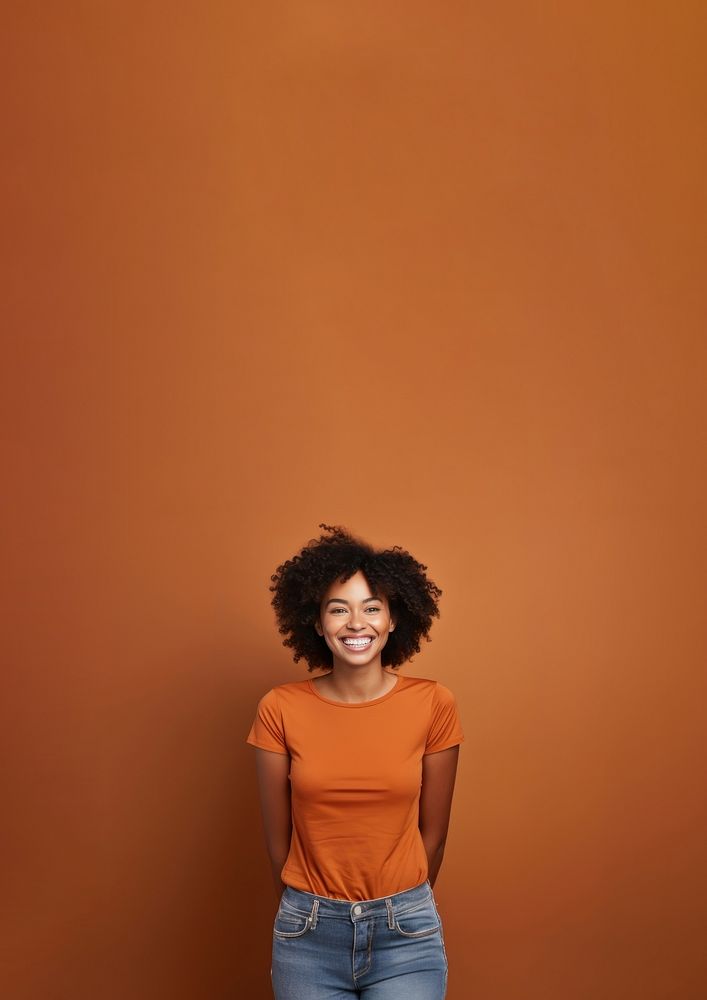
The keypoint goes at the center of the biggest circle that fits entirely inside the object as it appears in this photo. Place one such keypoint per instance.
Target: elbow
(438, 847)
(434, 842)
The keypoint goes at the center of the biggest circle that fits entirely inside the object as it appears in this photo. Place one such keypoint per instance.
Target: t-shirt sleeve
(267, 730)
(445, 725)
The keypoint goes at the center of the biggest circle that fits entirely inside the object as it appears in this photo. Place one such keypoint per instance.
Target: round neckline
(357, 704)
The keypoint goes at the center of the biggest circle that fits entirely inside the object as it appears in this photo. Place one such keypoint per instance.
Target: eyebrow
(340, 600)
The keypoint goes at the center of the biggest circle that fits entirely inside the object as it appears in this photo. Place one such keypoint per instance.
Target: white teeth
(357, 642)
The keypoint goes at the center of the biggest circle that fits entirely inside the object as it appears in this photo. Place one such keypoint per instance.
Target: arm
(275, 806)
(438, 775)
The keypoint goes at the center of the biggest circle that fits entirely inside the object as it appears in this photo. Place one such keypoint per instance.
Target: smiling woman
(355, 627)
(356, 772)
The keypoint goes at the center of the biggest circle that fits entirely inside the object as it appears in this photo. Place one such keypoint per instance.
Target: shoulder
(433, 694)
(292, 688)
(282, 693)
(429, 686)
(443, 693)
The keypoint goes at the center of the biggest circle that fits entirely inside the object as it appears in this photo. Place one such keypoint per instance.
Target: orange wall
(433, 272)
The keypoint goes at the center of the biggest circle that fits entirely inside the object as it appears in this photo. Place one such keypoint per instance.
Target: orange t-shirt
(355, 778)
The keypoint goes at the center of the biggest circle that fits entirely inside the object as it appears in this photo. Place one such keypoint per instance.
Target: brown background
(434, 272)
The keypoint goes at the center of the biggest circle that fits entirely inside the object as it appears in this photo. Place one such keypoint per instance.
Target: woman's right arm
(273, 771)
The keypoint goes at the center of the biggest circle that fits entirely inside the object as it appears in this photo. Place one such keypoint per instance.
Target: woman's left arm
(438, 775)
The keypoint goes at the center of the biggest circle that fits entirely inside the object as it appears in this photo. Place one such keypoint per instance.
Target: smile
(358, 643)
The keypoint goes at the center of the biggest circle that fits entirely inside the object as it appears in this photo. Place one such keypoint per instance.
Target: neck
(349, 682)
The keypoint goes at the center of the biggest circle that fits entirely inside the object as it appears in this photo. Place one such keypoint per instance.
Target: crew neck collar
(358, 704)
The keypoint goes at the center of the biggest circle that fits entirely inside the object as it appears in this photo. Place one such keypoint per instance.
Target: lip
(357, 649)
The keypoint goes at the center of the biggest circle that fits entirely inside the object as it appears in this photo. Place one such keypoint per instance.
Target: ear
(318, 627)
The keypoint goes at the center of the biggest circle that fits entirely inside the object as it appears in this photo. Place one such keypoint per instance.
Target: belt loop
(313, 914)
(389, 907)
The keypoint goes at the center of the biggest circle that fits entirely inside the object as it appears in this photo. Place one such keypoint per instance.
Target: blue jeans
(391, 948)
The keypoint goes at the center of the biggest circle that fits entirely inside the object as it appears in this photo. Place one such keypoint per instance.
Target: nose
(353, 623)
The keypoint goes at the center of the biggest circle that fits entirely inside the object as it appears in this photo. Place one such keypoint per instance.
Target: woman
(356, 772)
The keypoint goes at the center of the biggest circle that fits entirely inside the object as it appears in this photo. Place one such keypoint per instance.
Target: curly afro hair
(299, 585)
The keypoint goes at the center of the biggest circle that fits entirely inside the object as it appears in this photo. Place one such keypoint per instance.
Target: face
(348, 612)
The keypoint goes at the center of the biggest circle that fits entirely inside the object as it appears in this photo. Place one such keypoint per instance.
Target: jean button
(357, 910)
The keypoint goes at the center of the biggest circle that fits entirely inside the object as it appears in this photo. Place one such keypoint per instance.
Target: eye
(334, 611)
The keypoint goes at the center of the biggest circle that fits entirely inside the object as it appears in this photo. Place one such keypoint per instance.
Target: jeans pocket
(418, 921)
(290, 923)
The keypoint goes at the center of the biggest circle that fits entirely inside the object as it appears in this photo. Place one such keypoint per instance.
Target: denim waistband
(314, 906)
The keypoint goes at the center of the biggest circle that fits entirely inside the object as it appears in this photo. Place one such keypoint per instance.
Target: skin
(347, 609)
